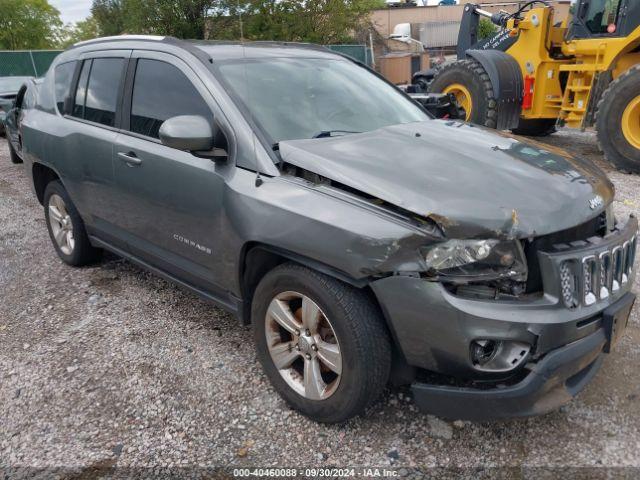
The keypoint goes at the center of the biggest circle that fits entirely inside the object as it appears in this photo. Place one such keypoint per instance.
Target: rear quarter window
(63, 78)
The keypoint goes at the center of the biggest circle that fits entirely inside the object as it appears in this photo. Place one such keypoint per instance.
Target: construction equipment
(539, 72)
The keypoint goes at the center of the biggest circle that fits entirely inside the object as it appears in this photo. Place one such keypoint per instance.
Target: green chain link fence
(26, 62)
(360, 52)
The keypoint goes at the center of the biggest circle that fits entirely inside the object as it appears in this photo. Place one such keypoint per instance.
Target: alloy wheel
(61, 224)
(303, 345)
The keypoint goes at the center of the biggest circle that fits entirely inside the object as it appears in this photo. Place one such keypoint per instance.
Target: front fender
(309, 222)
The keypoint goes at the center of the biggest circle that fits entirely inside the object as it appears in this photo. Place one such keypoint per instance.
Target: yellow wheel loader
(539, 72)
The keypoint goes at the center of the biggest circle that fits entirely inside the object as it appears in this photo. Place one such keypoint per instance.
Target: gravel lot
(109, 366)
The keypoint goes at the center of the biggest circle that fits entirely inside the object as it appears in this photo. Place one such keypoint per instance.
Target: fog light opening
(498, 356)
(483, 351)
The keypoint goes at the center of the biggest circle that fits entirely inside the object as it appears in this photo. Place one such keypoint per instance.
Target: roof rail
(268, 43)
(185, 45)
(155, 38)
(259, 43)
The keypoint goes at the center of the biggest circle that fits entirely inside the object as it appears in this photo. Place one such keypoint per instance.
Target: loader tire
(618, 122)
(470, 84)
(536, 127)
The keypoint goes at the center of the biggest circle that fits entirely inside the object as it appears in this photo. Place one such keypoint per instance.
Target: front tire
(618, 122)
(468, 81)
(322, 343)
(66, 228)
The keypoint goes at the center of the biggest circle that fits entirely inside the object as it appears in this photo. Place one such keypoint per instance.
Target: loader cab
(603, 18)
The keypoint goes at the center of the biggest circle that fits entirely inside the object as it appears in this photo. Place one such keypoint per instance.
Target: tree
(315, 21)
(178, 18)
(29, 24)
(318, 21)
(109, 16)
(486, 29)
(83, 30)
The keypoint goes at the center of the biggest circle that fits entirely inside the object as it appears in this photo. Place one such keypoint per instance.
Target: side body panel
(180, 192)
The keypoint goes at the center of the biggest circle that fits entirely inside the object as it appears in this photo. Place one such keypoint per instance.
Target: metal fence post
(35, 70)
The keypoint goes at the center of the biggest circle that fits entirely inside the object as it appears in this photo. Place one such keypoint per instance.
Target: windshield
(11, 84)
(296, 98)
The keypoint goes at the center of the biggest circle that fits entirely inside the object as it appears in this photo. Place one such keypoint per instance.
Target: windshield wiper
(329, 133)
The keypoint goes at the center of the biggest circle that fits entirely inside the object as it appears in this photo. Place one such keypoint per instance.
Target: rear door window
(162, 91)
(102, 90)
(96, 97)
(63, 78)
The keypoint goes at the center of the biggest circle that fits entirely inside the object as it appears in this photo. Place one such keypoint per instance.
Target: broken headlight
(481, 259)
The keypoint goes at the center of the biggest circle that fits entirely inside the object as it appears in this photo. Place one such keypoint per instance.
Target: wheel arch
(257, 259)
(42, 175)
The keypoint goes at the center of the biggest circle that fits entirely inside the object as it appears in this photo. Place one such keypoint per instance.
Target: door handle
(130, 159)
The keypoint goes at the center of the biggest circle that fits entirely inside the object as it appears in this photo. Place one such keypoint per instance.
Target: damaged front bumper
(552, 382)
(436, 329)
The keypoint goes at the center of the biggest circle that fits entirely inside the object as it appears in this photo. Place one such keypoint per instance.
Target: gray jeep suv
(364, 241)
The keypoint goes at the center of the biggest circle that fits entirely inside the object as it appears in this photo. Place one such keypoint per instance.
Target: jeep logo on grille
(596, 202)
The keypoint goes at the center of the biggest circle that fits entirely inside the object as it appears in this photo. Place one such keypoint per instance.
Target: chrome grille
(618, 259)
(598, 276)
(605, 274)
(589, 268)
(568, 284)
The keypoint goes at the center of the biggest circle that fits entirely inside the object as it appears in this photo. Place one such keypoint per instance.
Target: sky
(72, 10)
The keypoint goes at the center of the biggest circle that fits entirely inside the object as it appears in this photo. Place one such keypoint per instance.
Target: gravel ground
(109, 366)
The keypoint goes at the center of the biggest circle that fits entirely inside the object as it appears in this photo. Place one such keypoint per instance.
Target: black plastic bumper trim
(553, 381)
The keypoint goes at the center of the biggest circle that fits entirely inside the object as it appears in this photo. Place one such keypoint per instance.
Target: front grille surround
(595, 227)
(591, 272)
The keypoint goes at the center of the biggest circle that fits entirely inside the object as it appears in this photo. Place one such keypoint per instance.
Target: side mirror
(3, 117)
(192, 133)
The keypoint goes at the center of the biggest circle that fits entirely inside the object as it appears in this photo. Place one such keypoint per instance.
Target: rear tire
(536, 127)
(13, 155)
(472, 76)
(63, 218)
(359, 333)
(620, 145)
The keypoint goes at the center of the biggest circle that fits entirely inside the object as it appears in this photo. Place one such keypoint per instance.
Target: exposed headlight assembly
(481, 259)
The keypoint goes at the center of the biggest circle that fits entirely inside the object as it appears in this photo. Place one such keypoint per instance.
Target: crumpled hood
(472, 181)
